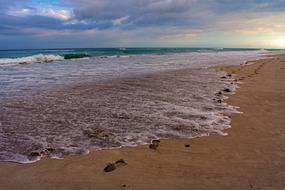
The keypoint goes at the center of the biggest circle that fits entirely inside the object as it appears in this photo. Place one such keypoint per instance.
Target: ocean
(71, 101)
(26, 71)
(49, 55)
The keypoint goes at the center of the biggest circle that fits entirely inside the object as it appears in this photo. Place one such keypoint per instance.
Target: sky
(26, 24)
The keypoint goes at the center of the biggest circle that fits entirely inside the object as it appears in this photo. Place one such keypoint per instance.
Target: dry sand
(252, 156)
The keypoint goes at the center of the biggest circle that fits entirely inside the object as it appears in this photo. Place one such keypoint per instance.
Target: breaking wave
(39, 58)
(42, 58)
(76, 56)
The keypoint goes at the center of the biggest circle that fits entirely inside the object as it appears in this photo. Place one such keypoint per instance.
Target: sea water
(108, 98)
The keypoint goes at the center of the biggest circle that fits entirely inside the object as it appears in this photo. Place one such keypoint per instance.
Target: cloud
(130, 14)
(140, 13)
(142, 21)
(119, 21)
(59, 14)
(40, 11)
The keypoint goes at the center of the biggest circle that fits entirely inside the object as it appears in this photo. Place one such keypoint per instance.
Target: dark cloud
(139, 13)
(17, 25)
(131, 14)
(181, 13)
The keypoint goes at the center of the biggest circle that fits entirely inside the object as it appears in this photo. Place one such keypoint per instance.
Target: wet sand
(252, 156)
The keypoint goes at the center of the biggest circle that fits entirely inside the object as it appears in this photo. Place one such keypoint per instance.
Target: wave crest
(39, 58)
(76, 56)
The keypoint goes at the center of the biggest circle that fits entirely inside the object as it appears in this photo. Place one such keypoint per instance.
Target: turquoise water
(110, 51)
(50, 55)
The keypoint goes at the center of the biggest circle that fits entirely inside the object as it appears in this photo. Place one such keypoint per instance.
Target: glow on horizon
(279, 43)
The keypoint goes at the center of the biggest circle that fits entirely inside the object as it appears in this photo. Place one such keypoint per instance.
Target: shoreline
(125, 112)
(213, 162)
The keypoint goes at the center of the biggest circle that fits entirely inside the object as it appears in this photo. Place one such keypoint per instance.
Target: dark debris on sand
(154, 144)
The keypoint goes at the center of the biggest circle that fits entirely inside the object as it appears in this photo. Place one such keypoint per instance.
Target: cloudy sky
(142, 23)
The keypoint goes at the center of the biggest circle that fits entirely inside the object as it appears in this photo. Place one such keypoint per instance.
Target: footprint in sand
(112, 166)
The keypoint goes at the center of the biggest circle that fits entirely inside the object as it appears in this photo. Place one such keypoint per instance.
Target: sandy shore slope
(252, 156)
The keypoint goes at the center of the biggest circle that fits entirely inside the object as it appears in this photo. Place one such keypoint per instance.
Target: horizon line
(62, 48)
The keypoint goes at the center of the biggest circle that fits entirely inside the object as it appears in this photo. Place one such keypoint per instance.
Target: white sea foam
(118, 114)
(39, 58)
(129, 113)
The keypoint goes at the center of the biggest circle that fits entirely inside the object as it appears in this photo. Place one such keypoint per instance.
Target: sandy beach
(251, 156)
